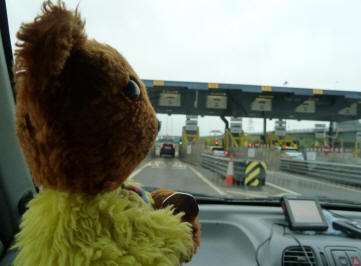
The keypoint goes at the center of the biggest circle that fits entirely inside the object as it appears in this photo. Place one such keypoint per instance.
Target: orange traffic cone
(229, 181)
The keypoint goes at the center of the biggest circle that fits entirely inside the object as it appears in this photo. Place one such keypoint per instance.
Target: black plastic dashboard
(231, 235)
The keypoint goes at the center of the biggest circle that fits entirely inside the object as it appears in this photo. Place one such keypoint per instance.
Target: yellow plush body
(111, 228)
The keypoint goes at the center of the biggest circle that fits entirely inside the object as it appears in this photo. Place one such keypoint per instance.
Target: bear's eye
(132, 91)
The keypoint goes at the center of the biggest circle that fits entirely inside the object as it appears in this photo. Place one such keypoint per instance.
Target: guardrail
(348, 174)
(246, 172)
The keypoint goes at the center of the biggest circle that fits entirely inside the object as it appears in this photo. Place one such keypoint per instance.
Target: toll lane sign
(280, 132)
(216, 102)
(306, 107)
(350, 110)
(320, 131)
(236, 128)
(280, 128)
(170, 99)
(262, 104)
(191, 128)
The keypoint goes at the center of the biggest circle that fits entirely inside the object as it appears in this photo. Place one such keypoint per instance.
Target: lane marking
(157, 164)
(339, 186)
(205, 180)
(139, 170)
(178, 165)
(282, 188)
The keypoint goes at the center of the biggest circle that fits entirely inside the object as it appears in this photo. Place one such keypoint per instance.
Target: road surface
(172, 173)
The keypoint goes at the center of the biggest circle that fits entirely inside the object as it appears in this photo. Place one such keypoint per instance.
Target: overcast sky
(309, 43)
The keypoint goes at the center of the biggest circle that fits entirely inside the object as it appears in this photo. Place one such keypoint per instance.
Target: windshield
(256, 99)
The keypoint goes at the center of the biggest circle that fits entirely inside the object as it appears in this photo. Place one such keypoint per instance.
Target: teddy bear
(84, 122)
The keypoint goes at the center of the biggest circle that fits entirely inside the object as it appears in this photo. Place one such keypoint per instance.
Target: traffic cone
(229, 181)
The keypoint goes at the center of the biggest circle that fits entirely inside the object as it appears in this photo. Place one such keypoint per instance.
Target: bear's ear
(45, 44)
(183, 202)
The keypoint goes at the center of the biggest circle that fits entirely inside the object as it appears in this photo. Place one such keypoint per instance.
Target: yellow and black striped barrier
(255, 173)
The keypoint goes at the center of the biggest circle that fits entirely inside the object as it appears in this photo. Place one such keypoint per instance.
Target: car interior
(234, 232)
(258, 233)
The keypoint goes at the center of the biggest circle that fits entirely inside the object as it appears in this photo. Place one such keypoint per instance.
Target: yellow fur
(112, 228)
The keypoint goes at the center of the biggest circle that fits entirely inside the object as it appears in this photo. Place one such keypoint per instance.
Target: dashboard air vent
(295, 256)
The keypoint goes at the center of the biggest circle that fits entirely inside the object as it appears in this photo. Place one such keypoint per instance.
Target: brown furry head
(78, 128)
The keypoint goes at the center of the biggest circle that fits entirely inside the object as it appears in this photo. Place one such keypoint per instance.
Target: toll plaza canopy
(220, 99)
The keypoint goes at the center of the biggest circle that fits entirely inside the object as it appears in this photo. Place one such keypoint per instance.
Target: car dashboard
(237, 234)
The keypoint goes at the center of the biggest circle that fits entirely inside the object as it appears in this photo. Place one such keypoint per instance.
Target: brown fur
(76, 127)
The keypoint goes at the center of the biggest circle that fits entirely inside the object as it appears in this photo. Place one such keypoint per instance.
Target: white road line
(209, 183)
(138, 170)
(282, 188)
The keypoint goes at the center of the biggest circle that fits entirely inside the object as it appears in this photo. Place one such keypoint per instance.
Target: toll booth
(337, 143)
(234, 136)
(279, 136)
(284, 140)
(215, 139)
(320, 136)
(272, 139)
(190, 132)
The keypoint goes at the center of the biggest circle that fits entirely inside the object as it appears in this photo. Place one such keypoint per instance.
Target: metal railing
(219, 165)
(215, 163)
(349, 174)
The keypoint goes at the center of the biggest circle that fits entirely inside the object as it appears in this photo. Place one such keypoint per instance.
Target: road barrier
(255, 173)
(246, 172)
(327, 150)
(349, 174)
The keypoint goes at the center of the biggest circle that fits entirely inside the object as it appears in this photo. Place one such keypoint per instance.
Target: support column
(225, 135)
(225, 121)
(330, 133)
(264, 129)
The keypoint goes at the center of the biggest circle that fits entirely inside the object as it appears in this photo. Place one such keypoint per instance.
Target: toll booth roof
(221, 99)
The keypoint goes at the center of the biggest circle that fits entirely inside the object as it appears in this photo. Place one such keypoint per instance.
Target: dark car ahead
(167, 148)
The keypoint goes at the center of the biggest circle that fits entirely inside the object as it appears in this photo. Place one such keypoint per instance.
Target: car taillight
(226, 152)
(173, 147)
(162, 145)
